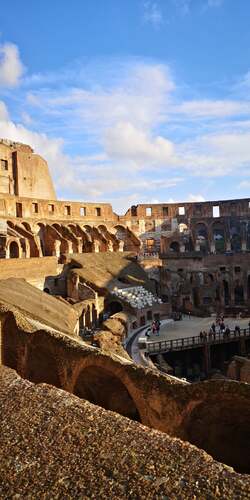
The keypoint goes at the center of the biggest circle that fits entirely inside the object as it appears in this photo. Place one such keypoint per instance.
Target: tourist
(213, 328)
(201, 335)
(237, 330)
(227, 332)
(153, 328)
(158, 325)
(222, 327)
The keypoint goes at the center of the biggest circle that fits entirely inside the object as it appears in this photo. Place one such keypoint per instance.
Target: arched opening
(14, 250)
(87, 318)
(219, 237)
(196, 297)
(175, 246)
(26, 226)
(248, 235)
(94, 315)
(226, 292)
(201, 237)
(248, 286)
(114, 307)
(41, 235)
(101, 387)
(221, 428)
(235, 236)
(42, 367)
(239, 295)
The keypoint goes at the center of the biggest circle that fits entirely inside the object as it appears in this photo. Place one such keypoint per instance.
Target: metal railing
(196, 341)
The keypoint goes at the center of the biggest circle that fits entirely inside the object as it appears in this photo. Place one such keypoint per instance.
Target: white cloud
(125, 141)
(244, 185)
(209, 108)
(4, 115)
(152, 14)
(196, 197)
(11, 67)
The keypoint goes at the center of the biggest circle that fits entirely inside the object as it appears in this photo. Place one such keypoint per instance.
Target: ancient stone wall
(158, 401)
(22, 173)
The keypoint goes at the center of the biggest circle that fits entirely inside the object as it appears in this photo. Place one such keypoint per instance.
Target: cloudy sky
(131, 101)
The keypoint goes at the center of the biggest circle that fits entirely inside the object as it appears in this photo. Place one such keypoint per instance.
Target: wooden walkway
(195, 342)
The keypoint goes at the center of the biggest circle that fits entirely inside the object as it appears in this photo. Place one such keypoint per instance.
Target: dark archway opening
(103, 388)
(226, 292)
(175, 246)
(221, 428)
(14, 250)
(248, 287)
(114, 307)
(238, 295)
(42, 366)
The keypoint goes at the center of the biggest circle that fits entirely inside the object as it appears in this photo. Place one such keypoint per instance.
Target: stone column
(96, 246)
(121, 246)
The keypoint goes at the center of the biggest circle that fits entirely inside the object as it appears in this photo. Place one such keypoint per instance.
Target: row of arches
(56, 239)
(214, 238)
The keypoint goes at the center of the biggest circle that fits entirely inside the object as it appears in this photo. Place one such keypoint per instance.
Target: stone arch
(27, 226)
(201, 236)
(14, 250)
(104, 388)
(212, 426)
(41, 365)
(174, 246)
(218, 232)
(57, 226)
(10, 224)
(114, 307)
(238, 295)
(235, 235)
(127, 237)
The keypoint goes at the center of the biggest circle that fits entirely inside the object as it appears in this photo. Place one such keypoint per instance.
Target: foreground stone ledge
(54, 445)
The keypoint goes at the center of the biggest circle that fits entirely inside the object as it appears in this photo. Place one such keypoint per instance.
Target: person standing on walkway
(158, 326)
(154, 330)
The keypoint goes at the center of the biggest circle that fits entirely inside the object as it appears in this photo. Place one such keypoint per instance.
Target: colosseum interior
(78, 284)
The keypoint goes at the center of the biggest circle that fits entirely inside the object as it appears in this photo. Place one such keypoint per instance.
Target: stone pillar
(79, 245)
(70, 246)
(212, 247)
(121, 246)
(57, 247)
(244, 246)
(96, 246)
(110, 246)
(197, 246)
(228, 246)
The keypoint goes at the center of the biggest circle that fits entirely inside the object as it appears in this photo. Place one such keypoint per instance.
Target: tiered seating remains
(137, 296)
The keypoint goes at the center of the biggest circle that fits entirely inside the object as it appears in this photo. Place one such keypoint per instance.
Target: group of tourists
(154, 329)
(219, 328)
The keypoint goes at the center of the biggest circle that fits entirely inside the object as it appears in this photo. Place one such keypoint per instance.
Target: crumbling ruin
(69, 266)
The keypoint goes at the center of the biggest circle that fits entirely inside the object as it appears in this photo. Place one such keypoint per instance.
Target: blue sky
(131, 101)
